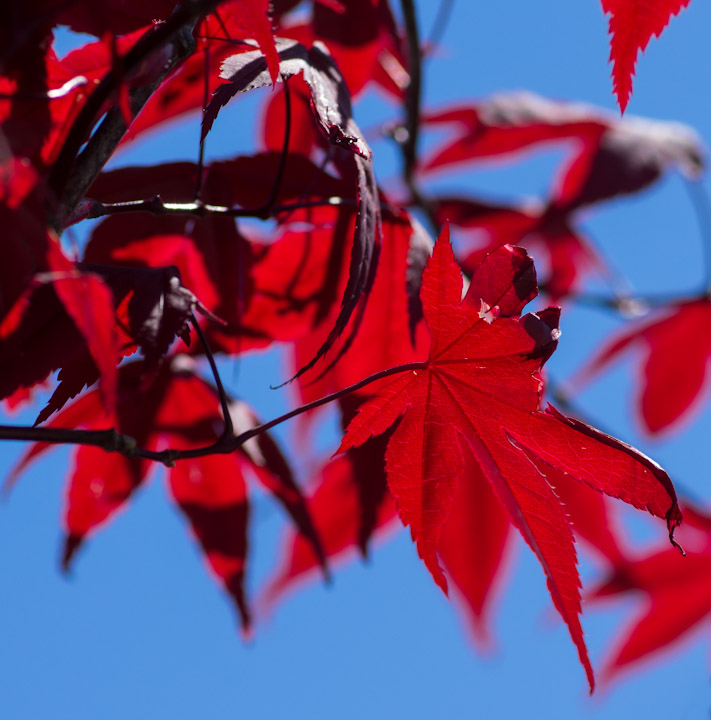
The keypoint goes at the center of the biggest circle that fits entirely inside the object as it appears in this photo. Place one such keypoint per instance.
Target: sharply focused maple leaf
(667, 391)
(482, 386)
(677, 590)
(351, 505)
(632, 24)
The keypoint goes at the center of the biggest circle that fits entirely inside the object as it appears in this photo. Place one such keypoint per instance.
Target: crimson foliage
(438, 377)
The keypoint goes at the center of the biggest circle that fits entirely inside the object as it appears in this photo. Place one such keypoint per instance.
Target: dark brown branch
(109, 134)
(276, 185)
(65, 173)
(414, 89)
(224, 402)
(156, 206)
(631, 305)
(408, 139)
(113, 441)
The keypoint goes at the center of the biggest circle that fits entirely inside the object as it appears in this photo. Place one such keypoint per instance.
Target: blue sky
(141, 631)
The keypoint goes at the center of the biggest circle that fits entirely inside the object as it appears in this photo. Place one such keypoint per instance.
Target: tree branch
(72, 173)
(155, 205)
(276, 185)
(629, 306)
(228, 429)
(113, 441)
(410, 137)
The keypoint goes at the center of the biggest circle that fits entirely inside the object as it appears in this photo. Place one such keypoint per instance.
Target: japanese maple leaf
(632, 24)
(363, 39)
(667, 391)
(64, 319)
(532, 225)
(185, 89)
(389, 332)
(476, 540)
(350, 505)
(180, 410)
(609, 157)
(482, 385)
(677, 590)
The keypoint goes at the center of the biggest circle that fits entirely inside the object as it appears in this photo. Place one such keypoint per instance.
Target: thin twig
(63, 173)
(228, 430)
(113, 441)
(702, 208)
(276, 185)
(157, 206)
(409, 140)
(444, 13)
(634, 305)
(413, 366)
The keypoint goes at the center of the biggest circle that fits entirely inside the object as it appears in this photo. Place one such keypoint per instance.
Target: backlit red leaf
(340, 516)
(331, 105)
(632, 25)
(667, 390)
(677, 594)
(481, 386)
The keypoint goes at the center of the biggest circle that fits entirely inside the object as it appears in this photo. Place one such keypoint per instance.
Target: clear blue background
(141, 631)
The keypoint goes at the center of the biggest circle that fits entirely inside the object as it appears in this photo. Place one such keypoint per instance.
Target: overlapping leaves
(481, 387)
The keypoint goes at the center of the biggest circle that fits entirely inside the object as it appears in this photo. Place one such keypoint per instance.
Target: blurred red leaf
(180, 410)
(610, 156)
(632, 24)
(348, 503)
(676, 589)
(389, 332)
(667, 391)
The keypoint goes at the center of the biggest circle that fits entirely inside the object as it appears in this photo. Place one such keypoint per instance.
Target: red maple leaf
(666, 392)
(481, 385)
(632, 24)
(350, 504)
(609, 157)
(677, 590)
(363, 39)
(388, 332)
(180, 410)
(64, 319)
(476, 539)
